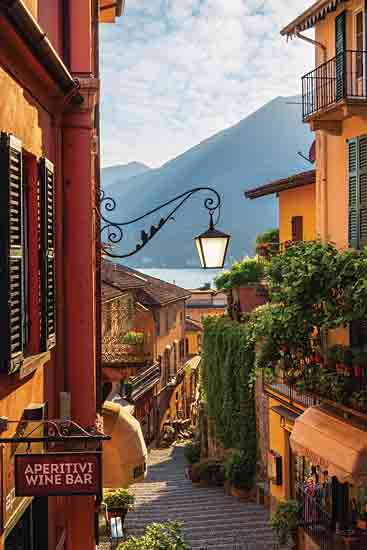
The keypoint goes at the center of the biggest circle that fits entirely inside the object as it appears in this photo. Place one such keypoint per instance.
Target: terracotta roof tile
(158, 292)
(109, 292)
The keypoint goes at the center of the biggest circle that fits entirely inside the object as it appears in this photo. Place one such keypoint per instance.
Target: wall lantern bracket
(114, 231)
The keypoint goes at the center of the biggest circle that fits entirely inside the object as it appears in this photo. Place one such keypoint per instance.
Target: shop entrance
(31, 532)
(21, 537)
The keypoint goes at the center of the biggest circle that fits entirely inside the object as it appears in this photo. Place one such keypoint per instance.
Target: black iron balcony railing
(281, 385)
(348, 393)
(343, 77)
(315, 519)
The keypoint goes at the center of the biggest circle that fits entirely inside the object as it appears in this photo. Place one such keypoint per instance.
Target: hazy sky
(175, 72)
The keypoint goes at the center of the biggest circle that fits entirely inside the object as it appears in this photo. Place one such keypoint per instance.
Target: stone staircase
(213, 521)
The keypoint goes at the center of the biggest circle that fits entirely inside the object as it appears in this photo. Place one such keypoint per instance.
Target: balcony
(279, 383)
(334, 91)
(348, 394)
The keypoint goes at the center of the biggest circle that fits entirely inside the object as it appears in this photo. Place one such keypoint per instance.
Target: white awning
(311, 16)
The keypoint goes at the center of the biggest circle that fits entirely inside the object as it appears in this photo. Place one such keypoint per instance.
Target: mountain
(260, 148)
(122, 172)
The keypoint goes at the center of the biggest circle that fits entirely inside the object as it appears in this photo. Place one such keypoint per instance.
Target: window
(108, 326)
(297, 228)
(359, 42)
(175, 358)
(27, 279)
(157, 320)
(167, 320)
(357, 190)
(358, 335)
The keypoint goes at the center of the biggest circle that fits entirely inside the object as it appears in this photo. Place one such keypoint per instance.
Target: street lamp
(212, 245)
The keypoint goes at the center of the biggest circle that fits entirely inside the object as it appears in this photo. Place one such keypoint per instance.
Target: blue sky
(174, 72)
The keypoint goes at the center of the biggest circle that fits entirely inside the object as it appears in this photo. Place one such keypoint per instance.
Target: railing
(348, 393)
(280, 384)
(145, 381)
(342, 77)
(315, 520)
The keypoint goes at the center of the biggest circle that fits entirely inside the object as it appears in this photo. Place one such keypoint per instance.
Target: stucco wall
(297, 202)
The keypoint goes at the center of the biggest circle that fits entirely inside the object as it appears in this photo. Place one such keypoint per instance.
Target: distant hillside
(122, 172)
(261, 147)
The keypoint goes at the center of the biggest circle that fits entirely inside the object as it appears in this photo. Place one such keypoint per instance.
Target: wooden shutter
(340, 43)
(353, 183)
(11, 254)
(297, 228)
(362, 195)
(47, 195)
(357, 187)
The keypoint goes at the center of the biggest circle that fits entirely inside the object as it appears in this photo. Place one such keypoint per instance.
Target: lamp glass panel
(213, 251)
(200, 251)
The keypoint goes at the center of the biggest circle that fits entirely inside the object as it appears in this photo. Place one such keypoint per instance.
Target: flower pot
(339, 369)
(358, 371)
(227, 487)
(348, 371)
(243, 494)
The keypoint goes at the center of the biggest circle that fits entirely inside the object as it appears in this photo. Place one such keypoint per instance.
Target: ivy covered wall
(228, 394)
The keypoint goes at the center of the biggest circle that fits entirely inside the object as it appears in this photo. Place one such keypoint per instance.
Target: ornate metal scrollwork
(115, 230)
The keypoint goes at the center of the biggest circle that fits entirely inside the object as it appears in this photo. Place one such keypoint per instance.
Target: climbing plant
(250, 270)
(227, 363)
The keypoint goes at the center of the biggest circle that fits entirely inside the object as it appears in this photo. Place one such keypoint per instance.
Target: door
(358, 86)
(340, 45)
(21, 537)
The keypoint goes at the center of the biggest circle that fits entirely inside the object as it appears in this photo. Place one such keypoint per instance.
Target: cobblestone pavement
(213, 521)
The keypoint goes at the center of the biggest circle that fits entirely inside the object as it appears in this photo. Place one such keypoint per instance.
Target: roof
(116, 276)
(157, 292)
(311, 16)
(110, 9)
(193, 326)
(109, 292)
(297, 180)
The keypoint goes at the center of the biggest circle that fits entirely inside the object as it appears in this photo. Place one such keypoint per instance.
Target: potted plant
(118, 502)
(240, 470)
(358, 400)
(164, 536)
(192, 454)
(332, 357)
(347, 358)
(360, 363)
(285, 521)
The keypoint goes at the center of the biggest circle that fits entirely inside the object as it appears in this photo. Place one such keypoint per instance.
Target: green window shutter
(340, 46)
(48, 290)
(11, 254)
(353, 184)
(362, 194)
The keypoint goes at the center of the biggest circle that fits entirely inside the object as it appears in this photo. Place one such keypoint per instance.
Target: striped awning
(311, 16)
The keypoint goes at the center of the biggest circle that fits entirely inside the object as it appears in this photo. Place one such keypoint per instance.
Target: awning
(338, 447)
(318, 11)
(125, 455)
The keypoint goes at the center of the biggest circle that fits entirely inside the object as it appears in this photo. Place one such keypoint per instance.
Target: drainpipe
(322, 188)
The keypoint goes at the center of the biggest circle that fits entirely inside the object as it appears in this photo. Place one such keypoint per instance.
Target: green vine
(227, 365)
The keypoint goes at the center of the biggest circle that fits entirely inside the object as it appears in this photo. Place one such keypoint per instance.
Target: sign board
(58, 474)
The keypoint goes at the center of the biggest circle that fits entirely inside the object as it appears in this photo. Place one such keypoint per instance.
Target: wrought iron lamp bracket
(115, 230)
(57, 431)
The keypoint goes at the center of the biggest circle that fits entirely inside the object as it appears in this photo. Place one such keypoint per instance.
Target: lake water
(187, 278)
